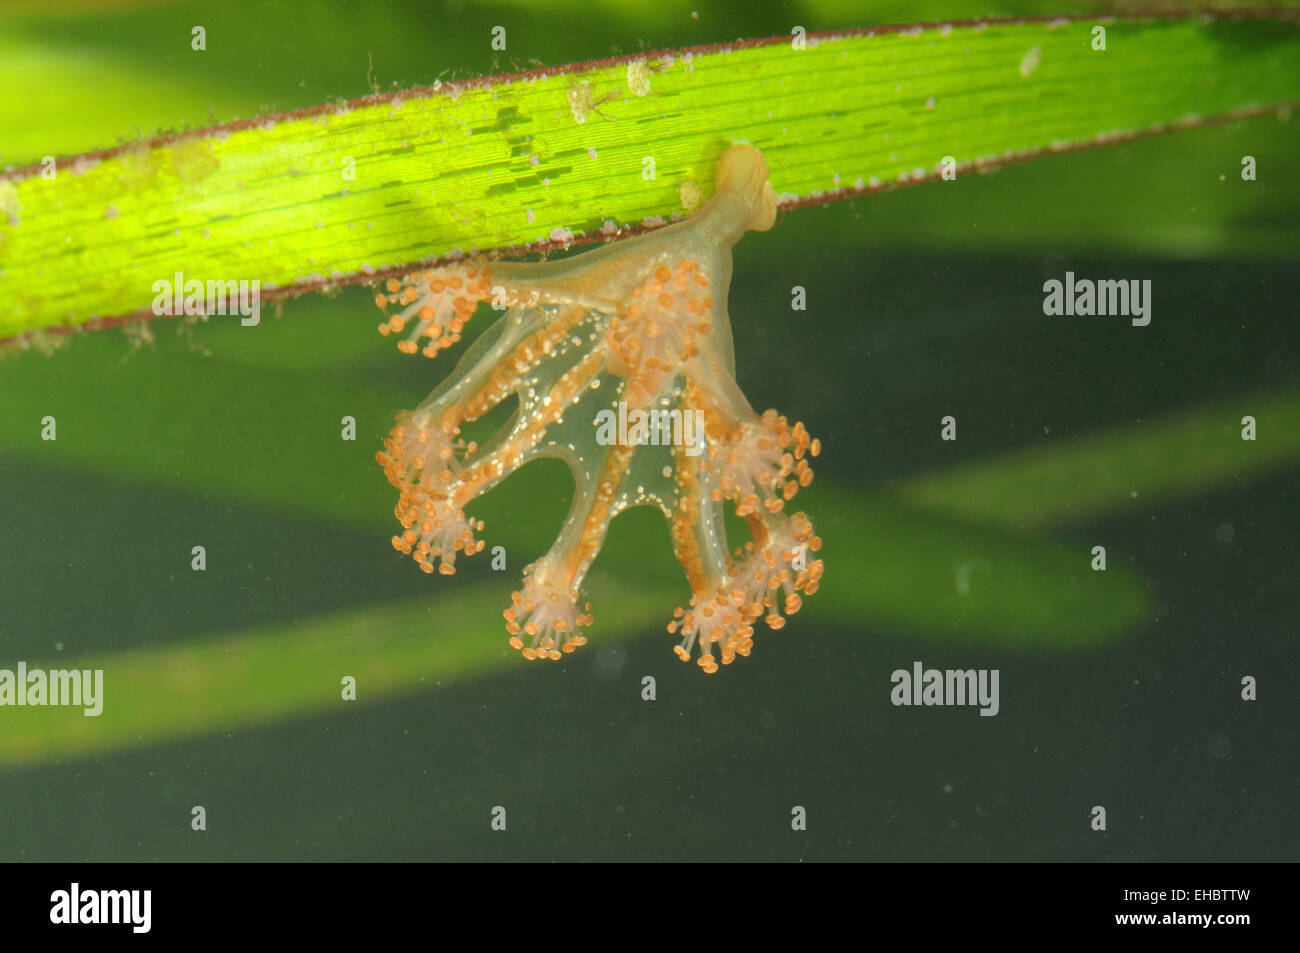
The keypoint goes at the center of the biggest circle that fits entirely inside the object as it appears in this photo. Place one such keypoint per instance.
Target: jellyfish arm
(636, 331)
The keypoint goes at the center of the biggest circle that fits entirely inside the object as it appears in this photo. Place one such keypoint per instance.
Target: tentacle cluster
(763, 582)
(660, 327)
(435, 305)
(423, 460)
(762, 463)
(544, 619)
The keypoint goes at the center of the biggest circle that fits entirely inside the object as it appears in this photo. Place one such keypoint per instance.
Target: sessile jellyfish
(641, 328)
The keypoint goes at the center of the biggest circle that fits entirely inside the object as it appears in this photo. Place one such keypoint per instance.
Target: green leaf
(527, 161)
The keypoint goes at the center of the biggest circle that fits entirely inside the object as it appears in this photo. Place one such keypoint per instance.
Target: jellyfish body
(636, 330)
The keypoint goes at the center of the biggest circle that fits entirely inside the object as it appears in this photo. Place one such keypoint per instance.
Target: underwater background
(1121, 689)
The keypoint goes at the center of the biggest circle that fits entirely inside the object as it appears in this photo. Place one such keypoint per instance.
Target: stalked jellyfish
(637, 326)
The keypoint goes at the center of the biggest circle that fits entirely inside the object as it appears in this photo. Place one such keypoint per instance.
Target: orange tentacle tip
(620, 361)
